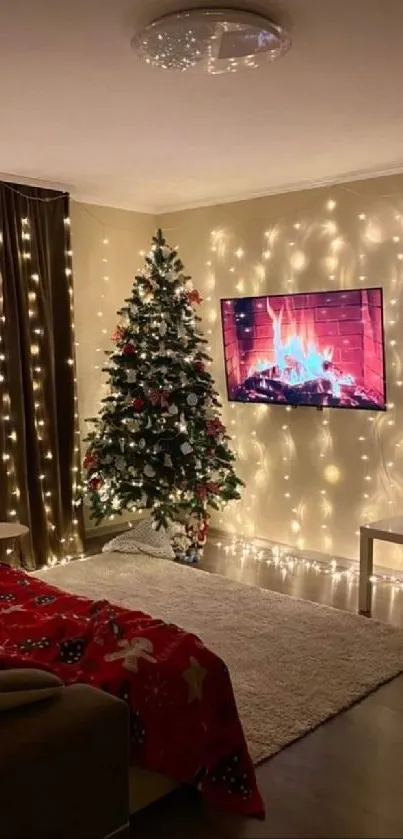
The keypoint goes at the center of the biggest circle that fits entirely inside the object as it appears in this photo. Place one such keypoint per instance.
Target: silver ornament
(186, 448)
(149, 471)
(192, 400)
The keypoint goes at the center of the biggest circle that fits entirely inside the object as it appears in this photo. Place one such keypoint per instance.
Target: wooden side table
(386, 530)
(10, 532)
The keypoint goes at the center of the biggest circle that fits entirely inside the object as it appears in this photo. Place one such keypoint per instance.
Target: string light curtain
(39, 443)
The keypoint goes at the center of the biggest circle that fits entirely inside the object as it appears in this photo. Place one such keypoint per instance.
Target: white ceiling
(77, 110)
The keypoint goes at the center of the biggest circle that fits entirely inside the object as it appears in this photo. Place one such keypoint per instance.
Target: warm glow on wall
(315, 477)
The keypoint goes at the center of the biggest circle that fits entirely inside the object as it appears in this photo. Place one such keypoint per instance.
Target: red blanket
(184, 720)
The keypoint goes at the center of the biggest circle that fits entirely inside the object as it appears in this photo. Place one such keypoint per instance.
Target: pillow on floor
(144, 538)
(24, 687)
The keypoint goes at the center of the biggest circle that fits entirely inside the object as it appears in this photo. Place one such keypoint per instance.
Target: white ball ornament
(192, 400)
(149, 471)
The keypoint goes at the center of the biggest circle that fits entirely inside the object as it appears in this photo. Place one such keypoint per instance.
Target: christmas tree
(158, 443)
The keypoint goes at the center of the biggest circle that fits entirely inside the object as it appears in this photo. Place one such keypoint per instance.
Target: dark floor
(342, 780)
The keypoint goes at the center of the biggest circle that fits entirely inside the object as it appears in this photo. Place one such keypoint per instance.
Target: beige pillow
(24, 687)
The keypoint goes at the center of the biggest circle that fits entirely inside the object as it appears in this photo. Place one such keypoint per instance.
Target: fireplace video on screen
(324, 349)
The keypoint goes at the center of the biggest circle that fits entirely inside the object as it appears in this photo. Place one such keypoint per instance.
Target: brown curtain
(39, 443)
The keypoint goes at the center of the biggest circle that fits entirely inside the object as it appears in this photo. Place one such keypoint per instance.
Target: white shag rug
(293, 663)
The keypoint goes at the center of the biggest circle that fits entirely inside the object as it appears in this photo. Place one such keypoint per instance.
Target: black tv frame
(307, 404)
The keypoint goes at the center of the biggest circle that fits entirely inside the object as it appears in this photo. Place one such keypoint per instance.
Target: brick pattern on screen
(231, 345)
(373, 344)
(348, 322)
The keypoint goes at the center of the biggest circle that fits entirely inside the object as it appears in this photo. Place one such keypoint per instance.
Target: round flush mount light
(210, 41)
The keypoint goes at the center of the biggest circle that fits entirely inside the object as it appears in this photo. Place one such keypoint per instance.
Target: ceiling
(78, 110)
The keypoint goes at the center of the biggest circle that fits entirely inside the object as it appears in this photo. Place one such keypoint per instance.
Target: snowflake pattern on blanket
(183, 717)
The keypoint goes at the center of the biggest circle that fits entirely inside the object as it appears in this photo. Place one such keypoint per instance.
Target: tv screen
(324, 349)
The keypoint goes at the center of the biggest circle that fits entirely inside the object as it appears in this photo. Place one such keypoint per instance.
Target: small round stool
(12, 532)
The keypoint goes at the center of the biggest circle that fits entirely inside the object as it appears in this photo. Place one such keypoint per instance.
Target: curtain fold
(39, 438)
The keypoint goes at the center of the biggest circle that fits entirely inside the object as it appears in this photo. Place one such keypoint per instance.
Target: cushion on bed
(24, 687)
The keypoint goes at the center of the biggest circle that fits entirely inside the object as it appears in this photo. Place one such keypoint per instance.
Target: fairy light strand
(378, 441)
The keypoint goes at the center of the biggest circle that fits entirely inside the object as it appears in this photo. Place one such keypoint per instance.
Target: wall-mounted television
(321, 349)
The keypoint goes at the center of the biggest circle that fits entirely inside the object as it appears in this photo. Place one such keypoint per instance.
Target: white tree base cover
(143, 537)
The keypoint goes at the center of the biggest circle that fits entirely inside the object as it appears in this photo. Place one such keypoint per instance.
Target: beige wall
(106, 245)
(310, 478)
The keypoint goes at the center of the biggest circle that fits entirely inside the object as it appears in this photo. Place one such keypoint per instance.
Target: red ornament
(199, 367)
(95, 483)
(202, 533)
(165, 394)
(154, 397)
(118, 334)
(213, 488)
(194, 296)
(138, 404)
(90, 461)
(159, 398)
(201, 491)
(129, 349)
(214, 427)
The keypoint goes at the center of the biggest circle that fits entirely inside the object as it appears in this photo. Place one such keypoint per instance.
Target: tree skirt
(143, 537)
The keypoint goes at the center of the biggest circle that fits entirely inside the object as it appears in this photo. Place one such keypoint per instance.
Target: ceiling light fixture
(210, 41)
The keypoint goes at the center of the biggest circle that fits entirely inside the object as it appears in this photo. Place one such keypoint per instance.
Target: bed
(184, 724)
